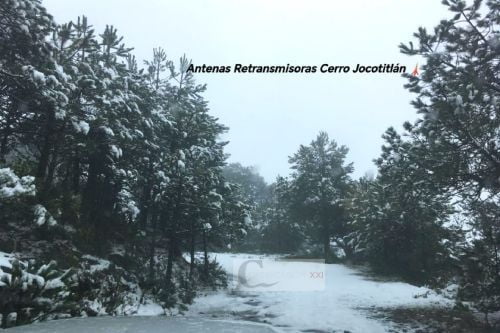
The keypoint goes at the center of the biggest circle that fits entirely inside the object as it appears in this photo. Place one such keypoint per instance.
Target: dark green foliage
(480, 280)
(255, 193)
(456, 139)
(30, 291)
(282, 234)
(99, 154)
(320, 185)
(398, 218)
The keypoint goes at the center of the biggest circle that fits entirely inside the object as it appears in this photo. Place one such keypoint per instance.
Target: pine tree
(255, 193)
(458, 96)
(400, 217)
(281, 233)
(120, 156)
(320, 183)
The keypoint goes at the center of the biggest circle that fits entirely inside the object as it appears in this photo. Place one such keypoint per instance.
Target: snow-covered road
(343, 305)
(140, 325)
(340, 299)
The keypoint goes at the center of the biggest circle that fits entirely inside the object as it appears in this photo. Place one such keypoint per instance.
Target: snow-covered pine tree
(401, 216)
(127, 160)
(281, 233)
(320, 185)
(254, 192)
(458, 98)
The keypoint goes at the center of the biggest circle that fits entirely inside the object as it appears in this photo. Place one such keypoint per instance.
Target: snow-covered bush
(12, 186)
(42, 216)
(177, 295)
(16, 200)
(104, 288)
(180, 291)
(213, 275)
(29, 291)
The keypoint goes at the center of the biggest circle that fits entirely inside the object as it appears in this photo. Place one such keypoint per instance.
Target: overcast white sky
(270, 115)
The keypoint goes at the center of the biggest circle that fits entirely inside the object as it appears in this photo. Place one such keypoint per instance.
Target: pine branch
(10, 74)
(474, 27)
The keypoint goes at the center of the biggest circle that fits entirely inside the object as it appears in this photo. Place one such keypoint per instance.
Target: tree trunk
(170, 261)
(4, 319)
(53, 161)
(191, 252)
(205, 255)
(43, 162)
(76, 173)
(5, 139)
(152, 249)
(174, 222)
(146, 203)
(326, 247)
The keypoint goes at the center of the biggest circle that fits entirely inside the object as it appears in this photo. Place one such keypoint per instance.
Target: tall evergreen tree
(281, 233)
(400, 217)
(254, 192)
(458, 96)
(320, 185)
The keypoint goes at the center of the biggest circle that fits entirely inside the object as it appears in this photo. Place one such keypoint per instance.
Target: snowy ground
(273, 292)
(344, 305)
(140, 325)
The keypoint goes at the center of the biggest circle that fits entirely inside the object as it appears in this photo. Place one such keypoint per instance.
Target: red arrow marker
(415, 71)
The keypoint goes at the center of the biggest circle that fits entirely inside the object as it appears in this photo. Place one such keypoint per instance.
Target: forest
(115, 185)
